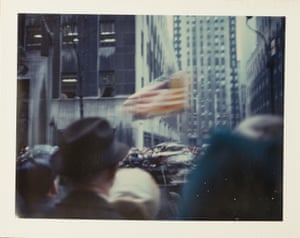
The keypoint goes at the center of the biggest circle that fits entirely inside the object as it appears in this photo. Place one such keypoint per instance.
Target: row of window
(201, 19)
(35, 35)
(209, 62)
(108, 83)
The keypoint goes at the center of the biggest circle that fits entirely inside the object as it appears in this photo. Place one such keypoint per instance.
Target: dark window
(194, 61)
(69, 84)
(202, 63)
(34, 38)
(216, 61)
(208, 61)
(142, 82)
(223, 61)
(106, 77)
(107, 34)
(70, 35)
(107, 83)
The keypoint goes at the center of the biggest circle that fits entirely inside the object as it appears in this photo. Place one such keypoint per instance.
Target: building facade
(265, 67)
(73, 66)
(206, 46)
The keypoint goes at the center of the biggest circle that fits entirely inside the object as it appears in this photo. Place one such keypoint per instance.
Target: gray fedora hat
(88, 146)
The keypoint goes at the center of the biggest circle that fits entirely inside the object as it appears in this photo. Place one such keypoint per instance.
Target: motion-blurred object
(161, 98)
(169, 162)
(261, 127)
(177, 160)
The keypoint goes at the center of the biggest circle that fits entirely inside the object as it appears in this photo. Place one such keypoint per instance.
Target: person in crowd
(88, 158)
(169, 204)
(36, 181)
(261, 127)
(240, 175)
(135, 194)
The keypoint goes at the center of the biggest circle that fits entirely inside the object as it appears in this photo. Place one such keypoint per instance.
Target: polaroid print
(198, 100)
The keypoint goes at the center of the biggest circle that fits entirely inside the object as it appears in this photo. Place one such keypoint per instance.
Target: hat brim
(113, 155)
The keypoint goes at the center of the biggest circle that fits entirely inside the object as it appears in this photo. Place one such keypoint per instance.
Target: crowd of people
(239, 177)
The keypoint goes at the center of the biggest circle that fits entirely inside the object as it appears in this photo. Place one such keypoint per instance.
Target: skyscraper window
(69, 84)
(216, 61)
(107, 33)
(33, 38)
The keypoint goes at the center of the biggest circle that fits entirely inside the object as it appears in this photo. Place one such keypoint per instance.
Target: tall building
(206, 47)
(73, 66)
(265, 68)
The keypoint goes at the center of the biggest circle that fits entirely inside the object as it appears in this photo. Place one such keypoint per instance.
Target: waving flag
(160, 98)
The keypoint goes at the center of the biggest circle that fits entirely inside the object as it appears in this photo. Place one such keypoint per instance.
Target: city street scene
(150, 117)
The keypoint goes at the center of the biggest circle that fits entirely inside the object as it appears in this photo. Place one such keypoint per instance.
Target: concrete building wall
(83, 37)
(66, 111)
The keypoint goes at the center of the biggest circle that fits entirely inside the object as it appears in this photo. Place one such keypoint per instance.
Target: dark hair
(35, 173)
(33, 180)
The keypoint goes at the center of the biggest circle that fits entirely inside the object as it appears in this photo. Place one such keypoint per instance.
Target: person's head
(89, 153)
(261, 127)
(35, 174)
(240, 176)
(135, 194)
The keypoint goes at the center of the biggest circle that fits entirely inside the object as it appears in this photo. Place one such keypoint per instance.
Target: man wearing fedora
(88, 158)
